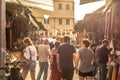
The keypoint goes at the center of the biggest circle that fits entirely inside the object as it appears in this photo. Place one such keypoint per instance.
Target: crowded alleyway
(76, 77)
(64, 39)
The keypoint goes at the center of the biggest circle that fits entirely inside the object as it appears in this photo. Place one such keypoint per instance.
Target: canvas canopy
(42, 4)
(88, 1)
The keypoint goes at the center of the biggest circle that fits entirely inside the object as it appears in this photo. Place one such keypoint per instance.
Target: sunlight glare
(81, 10)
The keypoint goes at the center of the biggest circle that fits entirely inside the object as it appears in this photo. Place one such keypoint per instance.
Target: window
(67, 7)
(46, 21)
(67, 21)
(68, 33)
(60, 6)
(58, 33)
(63, 33)
(60, 21)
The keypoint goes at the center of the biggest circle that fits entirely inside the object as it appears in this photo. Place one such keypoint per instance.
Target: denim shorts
(31, 67)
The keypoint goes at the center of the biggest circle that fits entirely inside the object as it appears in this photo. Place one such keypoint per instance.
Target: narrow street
(37, 69)
(92, 27)
(76, 77)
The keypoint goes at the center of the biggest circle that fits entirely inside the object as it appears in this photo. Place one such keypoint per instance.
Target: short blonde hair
(27, 40)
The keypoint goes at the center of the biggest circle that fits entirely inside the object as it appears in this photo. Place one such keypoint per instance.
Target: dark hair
(86, 43)
(93, 45)
(105, 41)
(57, 44)
(66, 38)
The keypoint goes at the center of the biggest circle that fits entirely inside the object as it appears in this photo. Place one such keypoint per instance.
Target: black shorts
(67, 74)
(85, 74)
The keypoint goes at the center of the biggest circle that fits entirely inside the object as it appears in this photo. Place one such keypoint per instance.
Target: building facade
(60, 22)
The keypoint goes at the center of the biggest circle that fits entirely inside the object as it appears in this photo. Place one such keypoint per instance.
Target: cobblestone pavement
(76, 77)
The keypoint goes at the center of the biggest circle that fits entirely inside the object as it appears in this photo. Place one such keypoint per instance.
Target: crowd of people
(65, 60)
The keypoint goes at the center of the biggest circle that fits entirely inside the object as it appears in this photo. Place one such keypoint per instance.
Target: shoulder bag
(26, 62)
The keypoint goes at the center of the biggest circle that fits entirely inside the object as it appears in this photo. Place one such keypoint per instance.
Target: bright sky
(81, 10)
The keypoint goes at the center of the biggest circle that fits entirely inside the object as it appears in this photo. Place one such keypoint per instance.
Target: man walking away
(102, 55)
(43, 53)
(66, 55)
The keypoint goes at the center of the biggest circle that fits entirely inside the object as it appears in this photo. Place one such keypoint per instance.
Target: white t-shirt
(42, 50)
(31, 50)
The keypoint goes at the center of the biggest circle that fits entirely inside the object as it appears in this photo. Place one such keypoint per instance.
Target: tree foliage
(19, 22)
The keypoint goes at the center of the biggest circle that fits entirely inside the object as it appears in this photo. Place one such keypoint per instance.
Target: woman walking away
(30, 53)
(55, 74)
(85, 56)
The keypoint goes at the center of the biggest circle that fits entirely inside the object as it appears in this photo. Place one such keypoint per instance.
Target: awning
(37, 24)
(31, 17)
(108, 5)
(88, 1)
(41, 27)
(42, 4)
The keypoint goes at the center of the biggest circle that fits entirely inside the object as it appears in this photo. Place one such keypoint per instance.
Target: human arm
(74, 58)
(93, 60)
(58, 62)
(96, 54)
(51, 60)
(77, 62)
(26, 53)
(47, 50)
(47, 53)
(51, 57)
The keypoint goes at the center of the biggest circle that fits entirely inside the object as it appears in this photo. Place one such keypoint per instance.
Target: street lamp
(46, 22)
(46, 18)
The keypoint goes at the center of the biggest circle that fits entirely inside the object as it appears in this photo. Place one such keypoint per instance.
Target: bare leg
(89, 78)
(24, 73)
(81, 78)
(32, 73)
